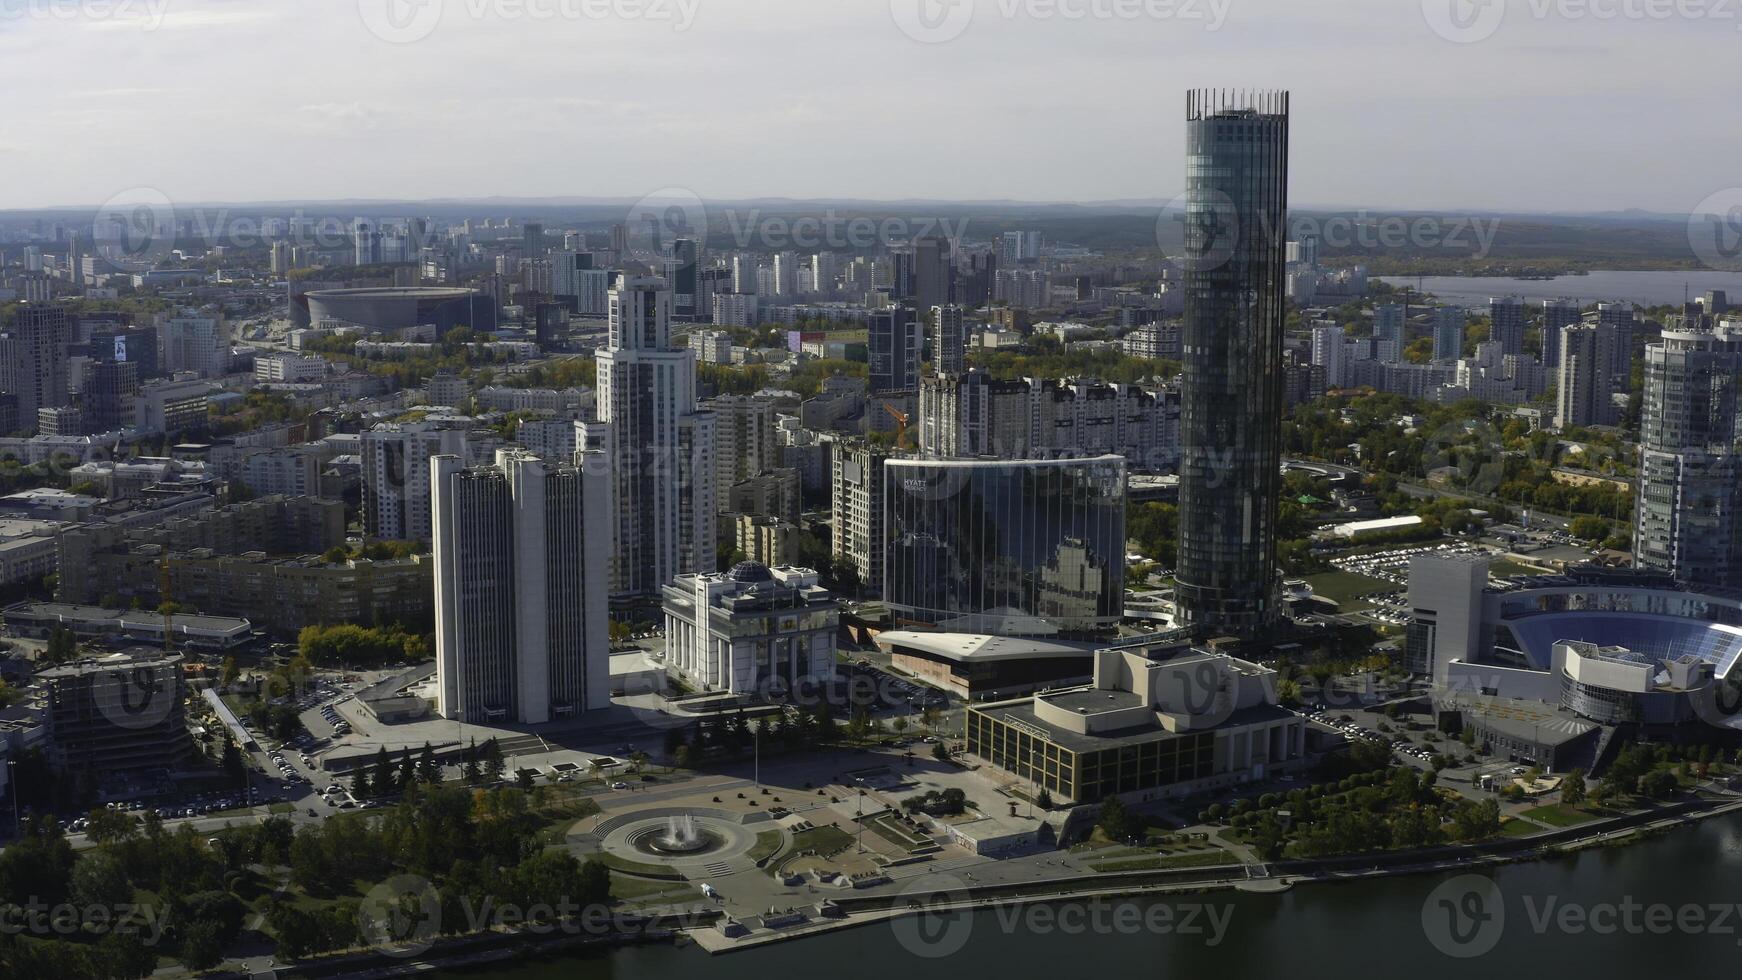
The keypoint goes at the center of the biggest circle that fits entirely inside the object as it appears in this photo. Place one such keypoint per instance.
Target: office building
(1005, 547)
(1506, 317)
(117, 715)
(934, 272)
(197, 341)
(521, 598)
(1620, 318)
(754, 630)
(949, 340)
(33, 360)
(895, 340)
(683, 273)
(1231, 387)
(1448, 333)
(109, 394)
(1689, 512)
(661, 447)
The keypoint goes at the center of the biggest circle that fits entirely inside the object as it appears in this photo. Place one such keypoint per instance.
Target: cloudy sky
(1535, 105)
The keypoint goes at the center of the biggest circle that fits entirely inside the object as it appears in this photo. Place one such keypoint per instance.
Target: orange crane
(901, 420)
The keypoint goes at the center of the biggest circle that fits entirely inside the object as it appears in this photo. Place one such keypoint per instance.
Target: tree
(1117, 821)
(1573, 789)
(427, 770)
(230, 672)
(232, 763)
(491, 758)
(360, 783)
(383, 781)
(940, 752)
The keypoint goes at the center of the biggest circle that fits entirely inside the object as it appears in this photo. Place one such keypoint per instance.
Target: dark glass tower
(1231, 393)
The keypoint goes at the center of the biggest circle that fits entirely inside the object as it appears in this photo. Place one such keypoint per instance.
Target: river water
(1644, 288)
(1671, 905)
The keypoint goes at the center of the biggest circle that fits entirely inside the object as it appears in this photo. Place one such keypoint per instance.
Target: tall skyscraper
(1330, 352)
(662, 448)
(33, 359)
(522, 550)
(1388, 333)
(894, 340)
(1619, 318)
(934, 272)
(1506, 318)
(683, 272)
(366, 239)
(1231, 389)
(949, 340)
(1556, 313)
(786, 274)
(532, 245)
(1586, 388)
(1689, 515)
(1449, 324)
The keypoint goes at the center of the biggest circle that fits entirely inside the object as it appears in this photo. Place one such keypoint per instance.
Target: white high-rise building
(197, 342)
(396, 491)
(662, 448)
(521, 589)
(744, 269)
(1330, 353)
(786, 274)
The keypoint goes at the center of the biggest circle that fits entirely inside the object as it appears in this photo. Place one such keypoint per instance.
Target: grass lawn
(766, 844)
(826, 840)
(623, 864)
(1513, 827)
(1346, 589)
(1560, 815)
(628, 888)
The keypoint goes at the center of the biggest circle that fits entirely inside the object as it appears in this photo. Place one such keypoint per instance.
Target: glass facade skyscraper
(1688, 520)
(1231, 390)
(1006, 547)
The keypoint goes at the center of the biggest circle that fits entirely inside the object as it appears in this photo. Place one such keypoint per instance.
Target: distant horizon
(557, 201)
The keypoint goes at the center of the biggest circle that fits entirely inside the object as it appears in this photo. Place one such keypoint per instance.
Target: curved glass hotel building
(1006, 547)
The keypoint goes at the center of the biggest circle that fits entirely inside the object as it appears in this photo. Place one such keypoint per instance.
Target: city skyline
(1430, 123)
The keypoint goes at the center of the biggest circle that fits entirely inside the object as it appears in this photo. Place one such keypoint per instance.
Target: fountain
(682, 835)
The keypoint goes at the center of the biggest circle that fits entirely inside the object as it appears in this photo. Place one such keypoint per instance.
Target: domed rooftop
(750, 571)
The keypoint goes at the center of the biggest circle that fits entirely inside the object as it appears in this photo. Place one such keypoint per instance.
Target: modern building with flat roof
(117, 714)
(1162, 722)
(1028, 547)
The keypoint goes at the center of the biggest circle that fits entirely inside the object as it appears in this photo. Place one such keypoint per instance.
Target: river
(1601, 913)
(1644, 288)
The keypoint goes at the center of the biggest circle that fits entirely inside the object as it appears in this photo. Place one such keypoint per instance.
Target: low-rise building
(754, 630)
(1163, 722)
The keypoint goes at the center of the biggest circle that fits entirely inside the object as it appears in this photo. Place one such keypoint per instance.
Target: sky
(1529, 105)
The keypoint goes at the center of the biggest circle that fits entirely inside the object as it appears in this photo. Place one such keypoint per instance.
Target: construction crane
(901, 420)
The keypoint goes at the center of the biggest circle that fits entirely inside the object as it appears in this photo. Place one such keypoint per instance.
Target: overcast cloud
(1577, 105)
